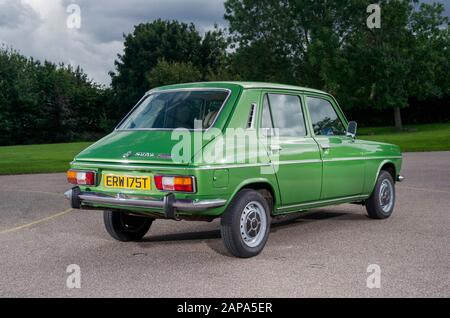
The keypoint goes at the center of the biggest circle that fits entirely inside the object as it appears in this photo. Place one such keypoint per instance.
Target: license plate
(126, 182)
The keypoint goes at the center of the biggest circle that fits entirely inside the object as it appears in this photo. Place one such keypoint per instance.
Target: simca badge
(145, 154)
(127, 154)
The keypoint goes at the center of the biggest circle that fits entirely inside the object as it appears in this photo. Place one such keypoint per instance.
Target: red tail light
(81, 177)
(175, 183)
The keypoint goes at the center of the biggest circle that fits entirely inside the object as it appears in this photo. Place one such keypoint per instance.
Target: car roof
(235, 84)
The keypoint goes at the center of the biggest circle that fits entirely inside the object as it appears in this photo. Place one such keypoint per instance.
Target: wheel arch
(262, 185)
(386, 165)
(389, 167)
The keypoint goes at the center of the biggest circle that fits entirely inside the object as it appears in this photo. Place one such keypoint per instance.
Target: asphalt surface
(321, 254)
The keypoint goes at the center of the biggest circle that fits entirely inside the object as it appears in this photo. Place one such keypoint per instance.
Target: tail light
(175, 183)
(81, 177)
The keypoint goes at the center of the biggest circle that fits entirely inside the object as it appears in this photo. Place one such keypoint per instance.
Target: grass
(56, 157)
(38, 158)
(432, 137)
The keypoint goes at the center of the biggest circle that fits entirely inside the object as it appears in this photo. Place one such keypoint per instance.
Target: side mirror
(351, 129)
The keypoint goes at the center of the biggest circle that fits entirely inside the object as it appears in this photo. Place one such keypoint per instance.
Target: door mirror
(351, 129)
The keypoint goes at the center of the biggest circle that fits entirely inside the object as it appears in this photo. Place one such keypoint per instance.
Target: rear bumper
(169, 204)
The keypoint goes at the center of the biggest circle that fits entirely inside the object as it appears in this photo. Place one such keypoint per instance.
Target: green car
(241, 151)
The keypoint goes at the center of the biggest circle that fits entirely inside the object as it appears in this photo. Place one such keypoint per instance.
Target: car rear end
(133, 168)
(157, 191)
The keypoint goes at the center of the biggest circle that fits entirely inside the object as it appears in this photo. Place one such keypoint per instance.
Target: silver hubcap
(253, 224)
(386, 196)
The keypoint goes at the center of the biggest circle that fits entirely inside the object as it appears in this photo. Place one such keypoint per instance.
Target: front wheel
(380, 204)
(125, 227)
(245, 224)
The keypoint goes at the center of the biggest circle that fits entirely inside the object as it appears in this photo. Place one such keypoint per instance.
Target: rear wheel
(125, 227)
(245, 224)
(380, 204)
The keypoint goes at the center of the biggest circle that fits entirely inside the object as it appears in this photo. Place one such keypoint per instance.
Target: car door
(296, 156)
(343, 162)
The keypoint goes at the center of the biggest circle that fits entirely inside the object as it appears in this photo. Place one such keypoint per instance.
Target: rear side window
(324, 118)
(286, 115)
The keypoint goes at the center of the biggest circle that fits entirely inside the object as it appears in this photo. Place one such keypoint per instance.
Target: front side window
(287, 115)
(176, 109)
(325, 120)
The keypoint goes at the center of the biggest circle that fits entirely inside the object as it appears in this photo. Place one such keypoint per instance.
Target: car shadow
(296, 219)
(186, 236)
(211, 237)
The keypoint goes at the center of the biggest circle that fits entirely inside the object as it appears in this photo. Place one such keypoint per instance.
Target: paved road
(325, 253)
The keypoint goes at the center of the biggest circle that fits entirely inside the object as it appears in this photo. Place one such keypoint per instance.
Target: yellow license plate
(126, 182)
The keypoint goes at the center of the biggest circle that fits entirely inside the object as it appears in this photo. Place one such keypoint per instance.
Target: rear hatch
(137, 146)
(138, 154)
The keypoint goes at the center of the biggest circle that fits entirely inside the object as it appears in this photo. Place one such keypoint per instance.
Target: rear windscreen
(176, 109)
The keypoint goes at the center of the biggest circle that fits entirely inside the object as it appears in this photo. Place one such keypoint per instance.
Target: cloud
(108, 20)
(14, 14)
(38, 28)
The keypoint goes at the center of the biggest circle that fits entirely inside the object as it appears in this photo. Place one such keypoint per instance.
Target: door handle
(275, 148)
(325, 146)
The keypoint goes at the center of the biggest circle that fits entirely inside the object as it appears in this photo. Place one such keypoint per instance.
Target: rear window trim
(211, 89)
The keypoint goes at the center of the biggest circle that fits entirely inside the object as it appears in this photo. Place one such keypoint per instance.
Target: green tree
(165, 73)
(291, 41)
(179, 45)
(327, 45)
(406, 58)
(45, 102)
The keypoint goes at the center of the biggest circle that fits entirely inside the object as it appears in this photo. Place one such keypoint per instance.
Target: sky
(51, 30)
(47, 29)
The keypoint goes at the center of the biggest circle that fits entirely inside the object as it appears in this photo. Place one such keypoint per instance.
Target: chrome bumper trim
(120, 200)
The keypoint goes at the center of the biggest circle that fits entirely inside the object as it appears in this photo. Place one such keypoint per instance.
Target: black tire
(231, 224)
(375, 208)
(125, 227)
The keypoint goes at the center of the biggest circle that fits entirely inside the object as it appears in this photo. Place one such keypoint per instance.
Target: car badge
(145, 154)
(127, 154)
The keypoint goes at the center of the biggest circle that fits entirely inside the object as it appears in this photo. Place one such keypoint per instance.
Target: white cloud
(38, 28)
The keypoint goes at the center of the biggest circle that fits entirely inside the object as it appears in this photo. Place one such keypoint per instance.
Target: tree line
(376, 73)
(48, 103)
